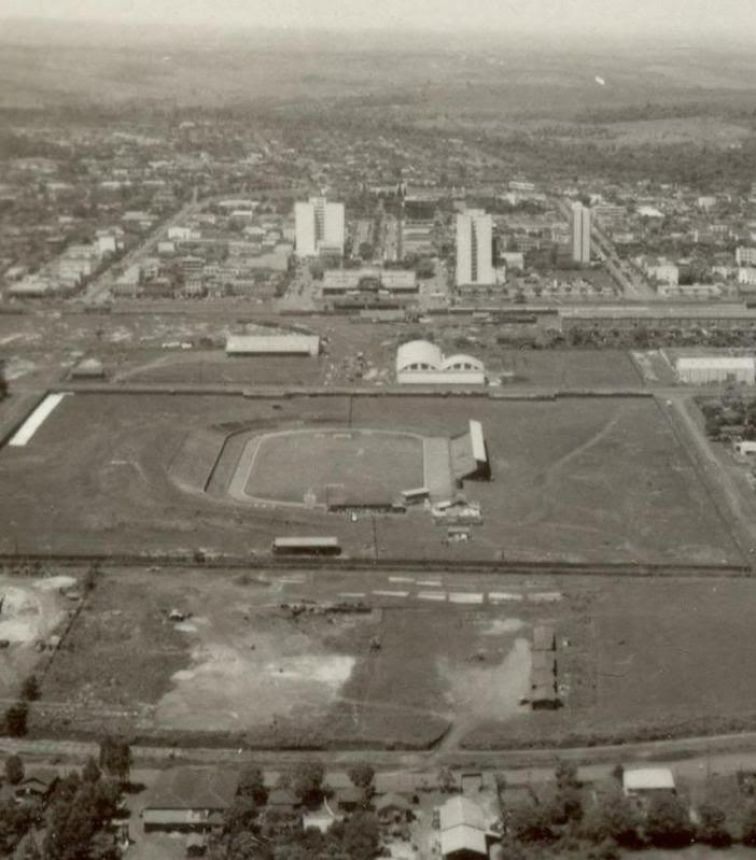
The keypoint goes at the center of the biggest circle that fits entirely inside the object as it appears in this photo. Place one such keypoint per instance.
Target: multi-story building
(475, 249)
(745, 256)
(581, 233)
(319, 227)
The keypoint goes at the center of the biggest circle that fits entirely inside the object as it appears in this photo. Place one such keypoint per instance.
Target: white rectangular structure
(645, 780)
(285, 344)
(319, 225)
(581, 233)
(37, 418)
(716, 369)
(474, 249)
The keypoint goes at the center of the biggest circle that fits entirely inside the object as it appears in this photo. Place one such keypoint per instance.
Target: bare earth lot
(596, 479)
(441, 659)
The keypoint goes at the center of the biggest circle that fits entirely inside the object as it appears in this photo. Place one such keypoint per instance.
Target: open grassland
(644, 659)
(575, 479)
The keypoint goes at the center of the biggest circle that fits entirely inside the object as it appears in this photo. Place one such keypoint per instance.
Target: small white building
(648, 782)
(716, 369)
(420, 362)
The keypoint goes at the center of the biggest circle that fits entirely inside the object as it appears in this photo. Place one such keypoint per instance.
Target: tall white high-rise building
(581, 233)
(474, 249)
(319, 226)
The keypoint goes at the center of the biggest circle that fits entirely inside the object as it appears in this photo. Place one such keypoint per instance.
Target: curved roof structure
(462, 362)
(418, 355)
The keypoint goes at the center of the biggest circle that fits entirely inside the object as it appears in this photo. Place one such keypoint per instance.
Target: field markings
(431, 595)
(545, 597)
(429, 582)
(391, 593)
(503, 596)
(349, 594)
(37, 418)
(465, 597)
(402, 579)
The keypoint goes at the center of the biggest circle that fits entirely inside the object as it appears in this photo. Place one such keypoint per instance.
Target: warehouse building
(706, 370)
(339, 282)
(420, 362)
(276, 344)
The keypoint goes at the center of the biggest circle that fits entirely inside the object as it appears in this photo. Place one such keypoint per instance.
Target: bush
(16, 718)
(668, 824)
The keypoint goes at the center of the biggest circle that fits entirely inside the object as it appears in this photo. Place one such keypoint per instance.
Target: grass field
(646, 659)
(366, 466)
(578, 479)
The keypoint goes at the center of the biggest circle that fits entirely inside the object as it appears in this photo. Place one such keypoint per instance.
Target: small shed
(88, 368)
(648, 782)
(544, 638)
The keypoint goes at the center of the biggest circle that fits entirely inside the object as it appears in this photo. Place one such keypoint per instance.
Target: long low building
(337, 282)
(283, 344)
(722, 369)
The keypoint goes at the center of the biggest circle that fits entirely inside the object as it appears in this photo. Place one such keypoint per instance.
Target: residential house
(190, 799)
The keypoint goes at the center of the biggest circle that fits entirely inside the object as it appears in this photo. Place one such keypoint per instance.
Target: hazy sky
(650, 17)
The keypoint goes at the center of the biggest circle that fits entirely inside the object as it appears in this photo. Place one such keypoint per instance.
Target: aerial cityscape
(377, 430)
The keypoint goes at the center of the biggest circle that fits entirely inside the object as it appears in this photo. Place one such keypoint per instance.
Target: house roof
(459, 811)
(463, 838)
(352, 794)
(45, 776)
(282, 797)
(194, 788)
(648, 779)
(391, 801)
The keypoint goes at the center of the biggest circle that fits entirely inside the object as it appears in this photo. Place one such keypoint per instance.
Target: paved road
(98, 292)
(633, 286)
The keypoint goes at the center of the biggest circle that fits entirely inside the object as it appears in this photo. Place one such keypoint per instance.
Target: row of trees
(76, 820)
(565, 820)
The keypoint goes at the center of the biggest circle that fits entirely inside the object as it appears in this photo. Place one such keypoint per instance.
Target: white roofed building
(420, 362)
(463, 829)
(648, 781)
(275, 344)
(721, 369)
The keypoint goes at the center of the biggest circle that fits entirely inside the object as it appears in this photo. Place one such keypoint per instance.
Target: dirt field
(441, 659)
(34, 609)
(239, 664)
(599, 479)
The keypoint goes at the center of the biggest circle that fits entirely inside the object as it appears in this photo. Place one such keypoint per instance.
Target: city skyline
(585, 17)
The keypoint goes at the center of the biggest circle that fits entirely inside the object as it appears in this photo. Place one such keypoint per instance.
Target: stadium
(334, 467)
